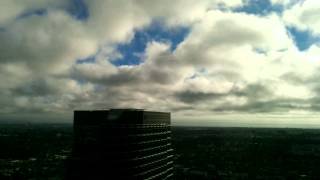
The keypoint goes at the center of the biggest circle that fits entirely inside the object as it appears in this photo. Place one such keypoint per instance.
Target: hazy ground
(247, 153)
(38, 151)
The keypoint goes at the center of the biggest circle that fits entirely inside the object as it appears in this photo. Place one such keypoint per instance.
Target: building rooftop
(120, 116)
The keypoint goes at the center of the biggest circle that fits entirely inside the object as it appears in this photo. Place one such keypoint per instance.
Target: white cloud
(229, 62)
(304, 16)
(47, 44)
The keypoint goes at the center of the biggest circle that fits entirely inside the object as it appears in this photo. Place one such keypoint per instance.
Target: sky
(208, 62)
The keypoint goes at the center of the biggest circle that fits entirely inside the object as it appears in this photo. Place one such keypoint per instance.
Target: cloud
(229, 62)
(304, 16)
(11, 9)
(193, 97)
(286, 2)
(46, 44)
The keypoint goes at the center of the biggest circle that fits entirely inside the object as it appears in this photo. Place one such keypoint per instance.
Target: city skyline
(209, 63)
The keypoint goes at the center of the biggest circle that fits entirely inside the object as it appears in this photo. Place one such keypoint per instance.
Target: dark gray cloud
(255, 92)
(194, 97)
(268, 106)
(294, 78)
(252, 92)
(37, 87)
(259, 99)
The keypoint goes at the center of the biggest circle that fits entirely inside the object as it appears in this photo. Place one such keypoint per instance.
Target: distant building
(121, 144)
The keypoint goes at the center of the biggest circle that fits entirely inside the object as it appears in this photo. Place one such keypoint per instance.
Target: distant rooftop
(113, 109)
(126, 109)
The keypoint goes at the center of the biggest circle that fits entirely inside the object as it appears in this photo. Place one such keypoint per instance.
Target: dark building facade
(121, 144)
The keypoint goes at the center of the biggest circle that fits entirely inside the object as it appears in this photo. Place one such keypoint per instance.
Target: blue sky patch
(259, 7)
(302, 39)
(78, 9)
(131, 52)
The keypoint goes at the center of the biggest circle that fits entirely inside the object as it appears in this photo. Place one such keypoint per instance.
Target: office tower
(121, 144)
